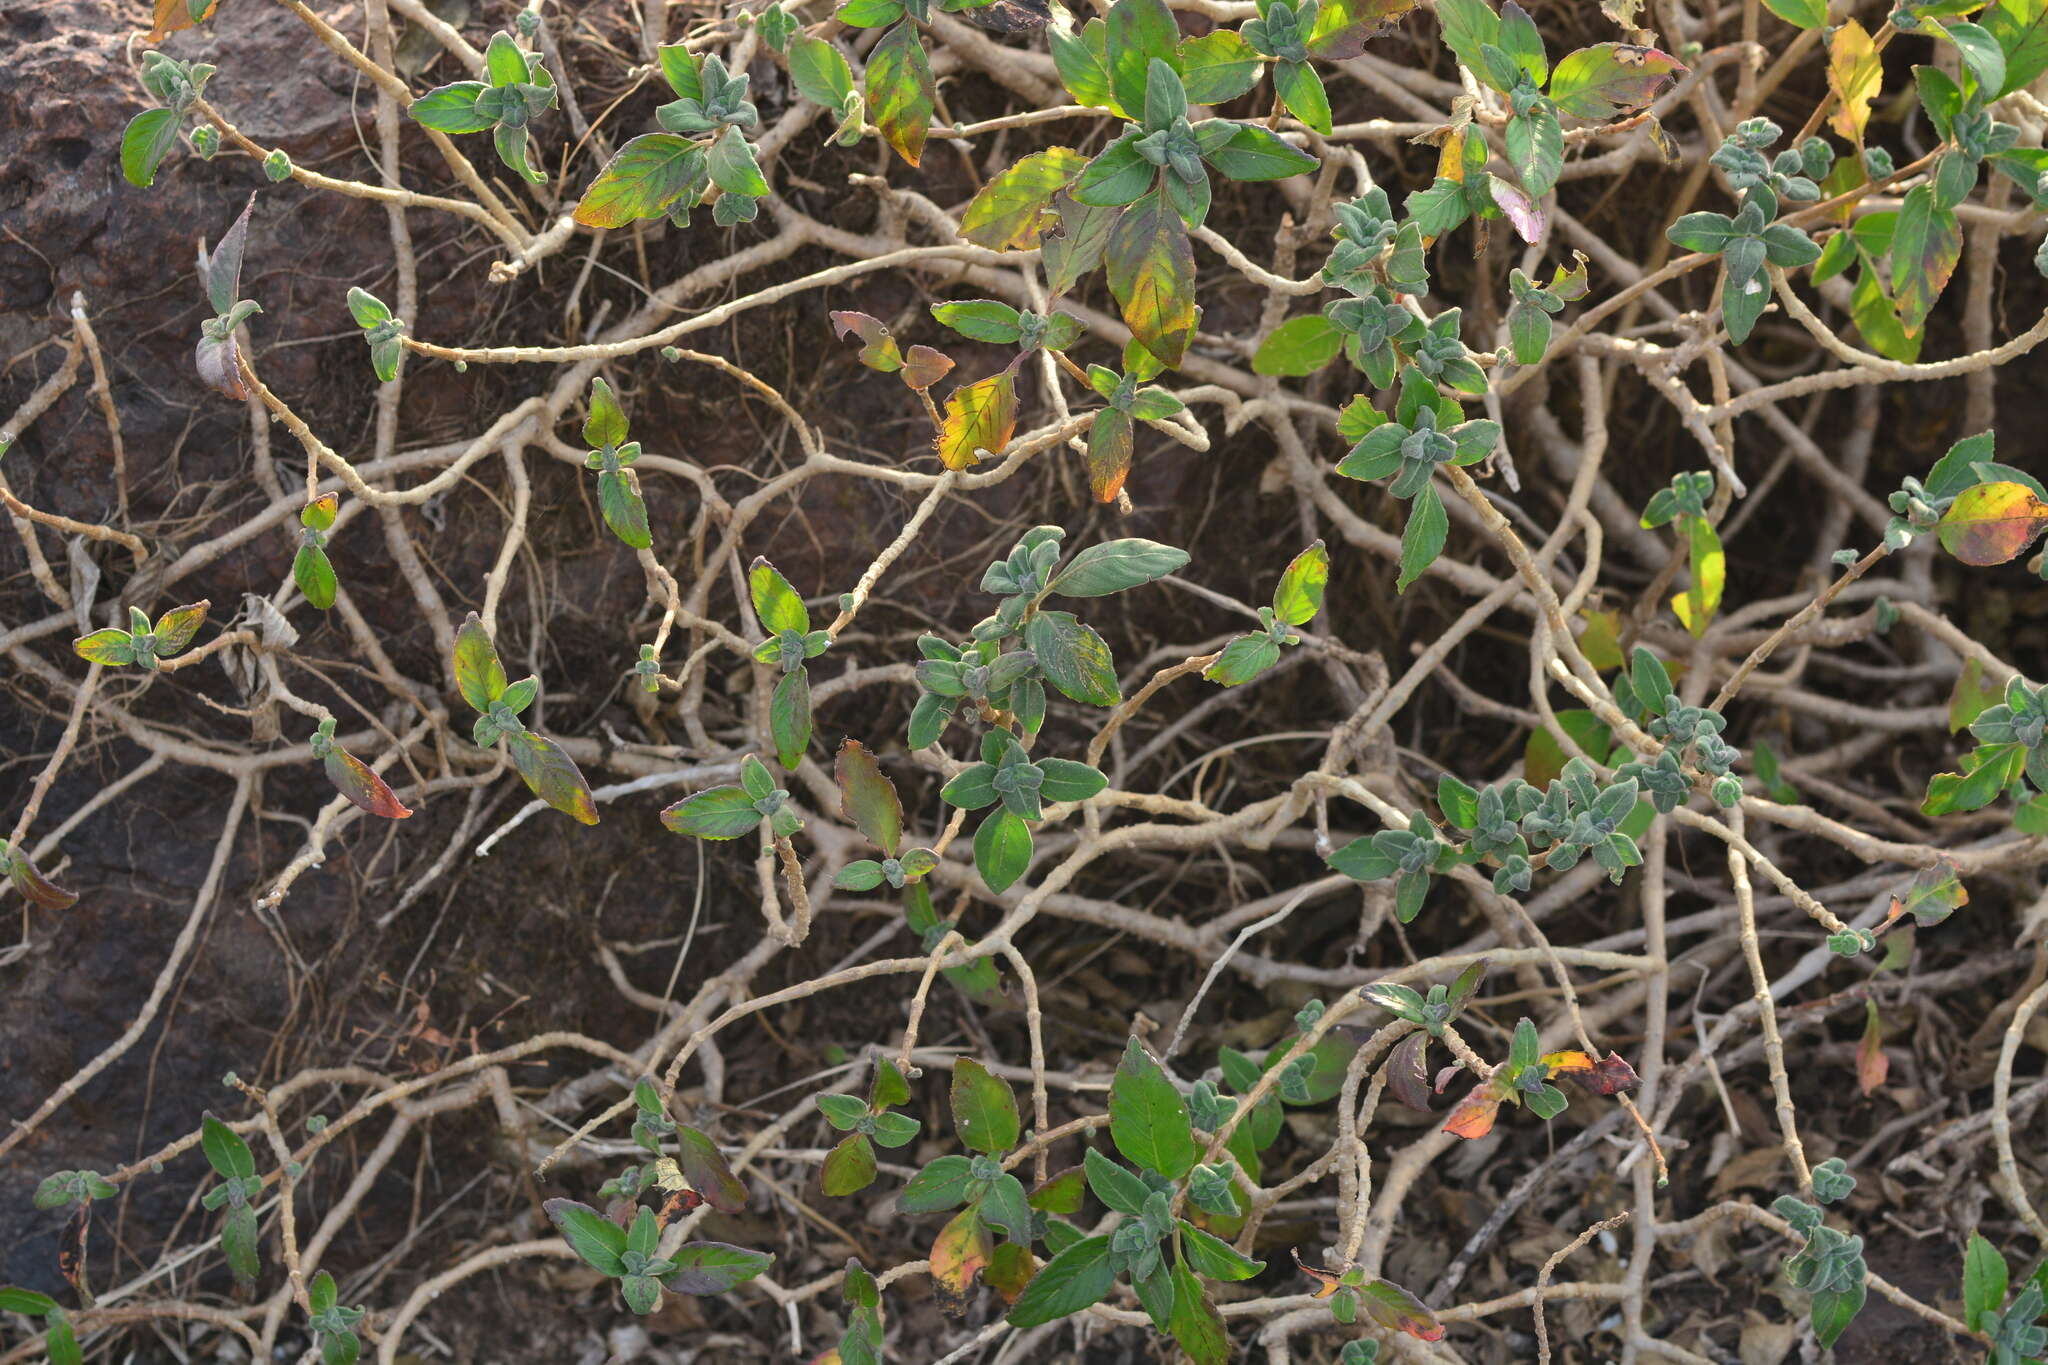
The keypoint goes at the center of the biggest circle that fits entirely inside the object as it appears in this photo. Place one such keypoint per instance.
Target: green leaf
(1242, 660)
(1834, 1310)
(981, 320)
(504, 63)
(732, 166)
(478, 674)
(1800, 13)
(789, 717)
(1987, 773)
(984, 1109)
(1116, 565)
(145, 143)
(1299, 346)
(26, 1302)
(1981, 54)
(848, 1168)
(820, 71)
(718, 813)
(452, 109)
(1423, 540)
(62, 1342)
(1218, 67)
(238, 1243)
(1147, 1118)
(1073, 657)
(588, 1233)
(901, 93)
(1301, 90)
(1214, 1257)
(1926, 246)
(1138, 33)
(776, 603)
(618, 498)
(1002, 849)
(1077, 1278)
(1195, 1323)
(225, 1150)
(714, 1267)
(2021, 28)
(938, 1187)
(1116, 1187)
(1468, 25)
(1013, 211)
(1536, 148)
(1082, 65)
(1984, 1281)
(1152, 275)
(314, 574)
(1255, 153)
(1299, 595)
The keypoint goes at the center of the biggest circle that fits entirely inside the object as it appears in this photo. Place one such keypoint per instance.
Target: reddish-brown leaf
(924, 367)
(877, 347)
(1473, 1118)
(1872, 1066)
(1611, 1075)
(1407, 1072)
(174, 16)
(39, 890)
(357, 781)
(704, 1167)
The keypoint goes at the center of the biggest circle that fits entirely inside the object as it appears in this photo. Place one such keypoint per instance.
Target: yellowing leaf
(173, 16)
(979, 416)
(1992, 523)
(1854, 74)
(1696, 606)
(1014, 210)
(1152, 274)
(901, 94)
(961, 1252)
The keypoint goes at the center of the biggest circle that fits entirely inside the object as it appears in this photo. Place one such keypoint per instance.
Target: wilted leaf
(1992, 523)
(32, 884)
(877, 347)
(979, 416)
(174, 16)
(1407, 1072)
(1606, 79)
(868, 798)
(1872, 1066)
(1342, 27)
(1931, 896)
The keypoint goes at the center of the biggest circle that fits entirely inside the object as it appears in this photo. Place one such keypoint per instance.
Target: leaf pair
(850, 1166)
(630, 1256)
(612, 456)
(1297, 597)
(143, 645)
(549, 773)
(151, 134)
